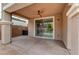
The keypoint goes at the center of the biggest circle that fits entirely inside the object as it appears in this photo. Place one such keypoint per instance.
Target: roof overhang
(11, 7)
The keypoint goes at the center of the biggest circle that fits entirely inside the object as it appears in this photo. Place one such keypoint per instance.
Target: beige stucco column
(69, 28)
(73, 29)
(6, 28)
(31, 28)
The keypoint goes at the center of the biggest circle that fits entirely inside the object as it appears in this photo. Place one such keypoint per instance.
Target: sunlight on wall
(19, 21)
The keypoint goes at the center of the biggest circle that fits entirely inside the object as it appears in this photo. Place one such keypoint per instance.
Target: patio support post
(5, 27)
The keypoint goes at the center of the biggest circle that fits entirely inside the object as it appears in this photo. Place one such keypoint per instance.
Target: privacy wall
(16, 30)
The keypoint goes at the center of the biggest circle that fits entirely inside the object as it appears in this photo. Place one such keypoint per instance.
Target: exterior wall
(58, 27)
(71, 31)
(74, 34)
(64, 25)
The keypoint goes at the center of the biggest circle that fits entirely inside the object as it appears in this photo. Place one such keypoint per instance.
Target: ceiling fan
(40, 12)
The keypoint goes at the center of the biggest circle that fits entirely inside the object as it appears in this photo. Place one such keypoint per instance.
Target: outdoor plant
(49, 27)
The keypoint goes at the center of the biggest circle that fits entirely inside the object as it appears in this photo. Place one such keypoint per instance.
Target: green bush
(49, 28)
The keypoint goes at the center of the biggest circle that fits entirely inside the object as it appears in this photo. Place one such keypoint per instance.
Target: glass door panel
(44, 27)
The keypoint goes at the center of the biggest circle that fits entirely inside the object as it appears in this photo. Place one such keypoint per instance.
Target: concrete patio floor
(24, 45)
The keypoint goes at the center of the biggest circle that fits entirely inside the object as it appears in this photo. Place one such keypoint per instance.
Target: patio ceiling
(47, 9)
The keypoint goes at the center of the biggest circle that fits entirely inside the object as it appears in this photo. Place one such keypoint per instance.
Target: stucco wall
(58, 27)
(75, 34)
(64, 25)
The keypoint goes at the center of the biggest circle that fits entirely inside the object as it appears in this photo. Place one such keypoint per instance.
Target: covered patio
(61, 18)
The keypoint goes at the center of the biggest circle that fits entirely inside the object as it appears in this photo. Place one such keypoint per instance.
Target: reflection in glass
(44, 27)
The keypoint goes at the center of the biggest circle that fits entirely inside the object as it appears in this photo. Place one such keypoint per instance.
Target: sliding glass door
(44, 27)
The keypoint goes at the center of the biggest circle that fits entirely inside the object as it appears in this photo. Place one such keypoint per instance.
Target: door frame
(53, 27)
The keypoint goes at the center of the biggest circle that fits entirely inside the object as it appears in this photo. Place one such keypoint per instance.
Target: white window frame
(53, 27)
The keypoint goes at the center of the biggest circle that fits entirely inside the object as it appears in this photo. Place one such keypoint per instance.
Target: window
(19, 21)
